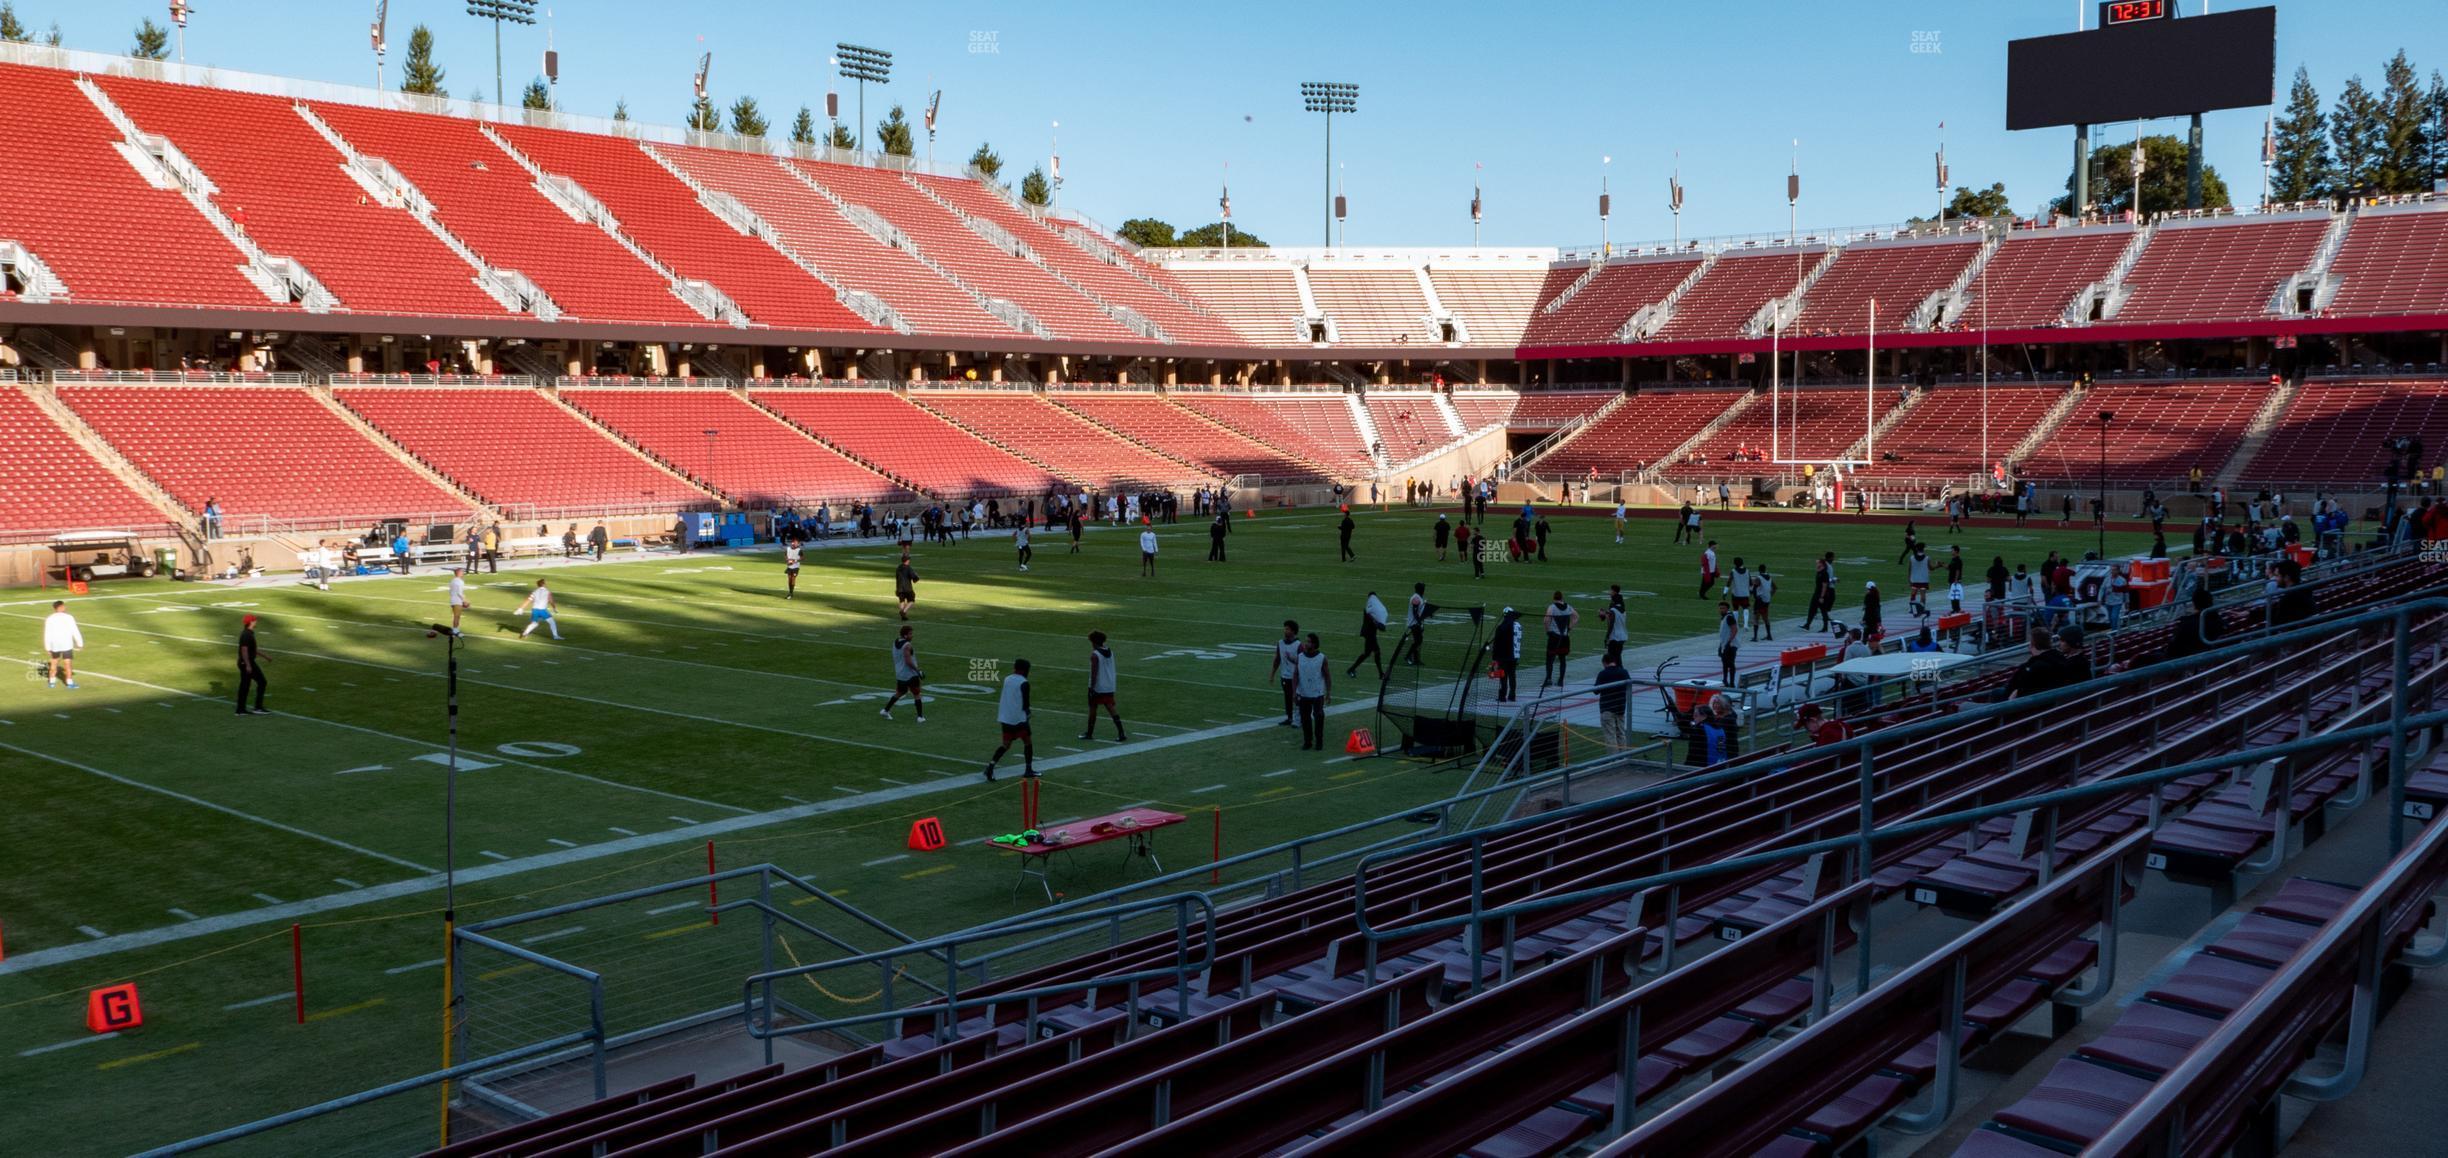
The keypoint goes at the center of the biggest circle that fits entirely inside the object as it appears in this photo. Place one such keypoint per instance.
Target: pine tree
(620, 109)
(537, 95)
(51, 39)
(746, 119)
(986, 161)
(2402, 164)
(152, 42)
(2301, 171)
(2355, 138)
(704, 117)
(420, 74)
(841, 137)
(893, 134)
(2435, 125)
(11, 28)
(803, 127)
(1035, 189)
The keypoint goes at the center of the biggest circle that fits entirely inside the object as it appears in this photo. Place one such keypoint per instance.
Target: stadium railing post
(765, 959)
(595, 1030)
(2400, 661)
(1866, 852)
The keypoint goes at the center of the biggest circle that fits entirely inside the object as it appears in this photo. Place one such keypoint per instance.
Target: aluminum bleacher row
(1516, 979)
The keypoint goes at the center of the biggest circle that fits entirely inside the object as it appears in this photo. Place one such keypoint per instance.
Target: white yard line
(693, 832)
(224, 809)
(496, 757)
(413, 966)
(267, 999)
(71, 1043)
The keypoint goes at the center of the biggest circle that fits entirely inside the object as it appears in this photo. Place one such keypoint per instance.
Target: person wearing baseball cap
(250, 667)
(1870, 610)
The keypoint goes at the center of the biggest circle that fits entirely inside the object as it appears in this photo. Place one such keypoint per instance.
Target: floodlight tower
(862, 64)
(179, 9)
(501, 12)
(382, 12)
(1329, 97)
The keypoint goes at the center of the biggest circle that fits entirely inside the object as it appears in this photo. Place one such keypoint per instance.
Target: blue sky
(1156, 101)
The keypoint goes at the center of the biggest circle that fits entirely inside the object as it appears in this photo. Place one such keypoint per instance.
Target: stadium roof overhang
(2041, 336)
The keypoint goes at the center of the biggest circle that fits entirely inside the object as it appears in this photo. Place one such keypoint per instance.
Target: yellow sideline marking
(345, 1010)
(928, 872)
(146, 1057)
(511, 971)
(1348, 775)
(1276, 791)
(662, 933)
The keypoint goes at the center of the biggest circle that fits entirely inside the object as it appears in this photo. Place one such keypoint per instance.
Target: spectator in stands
(2199, 630)
(1712, 732)
(250, 668)
(2292, 602)
(61, 639)
(1922, 641)
(2041, 670)
(1611, 696)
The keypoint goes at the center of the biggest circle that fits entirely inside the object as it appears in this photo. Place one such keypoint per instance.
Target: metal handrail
(947, 950)
(361, 1097)
(2400, 618)
(2158, 1123)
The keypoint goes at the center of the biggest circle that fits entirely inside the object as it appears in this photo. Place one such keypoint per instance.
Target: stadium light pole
(1329, 97)
(450, 859)
(501, 12)
(863, 64)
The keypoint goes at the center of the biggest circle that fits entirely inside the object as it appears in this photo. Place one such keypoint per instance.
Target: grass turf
(687, 694)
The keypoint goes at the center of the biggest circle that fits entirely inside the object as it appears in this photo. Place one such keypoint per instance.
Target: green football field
(153, 835)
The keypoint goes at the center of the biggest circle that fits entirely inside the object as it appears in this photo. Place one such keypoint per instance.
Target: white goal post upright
(1776, 424)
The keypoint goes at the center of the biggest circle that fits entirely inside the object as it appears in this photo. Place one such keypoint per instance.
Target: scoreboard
(2115, 12)
(2142, 61)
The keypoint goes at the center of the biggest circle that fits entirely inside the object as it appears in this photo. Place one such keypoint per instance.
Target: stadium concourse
(2061, 774)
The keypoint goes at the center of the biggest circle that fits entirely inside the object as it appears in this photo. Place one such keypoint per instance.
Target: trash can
(165, 561)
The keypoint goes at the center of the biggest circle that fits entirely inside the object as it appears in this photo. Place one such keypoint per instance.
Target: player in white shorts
(458, 596)
(790, 569)
(538, 607)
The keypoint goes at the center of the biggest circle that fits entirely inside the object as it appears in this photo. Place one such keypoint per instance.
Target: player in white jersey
(790, 569)
(538, 608)
(1147, 553)
(458, 596)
